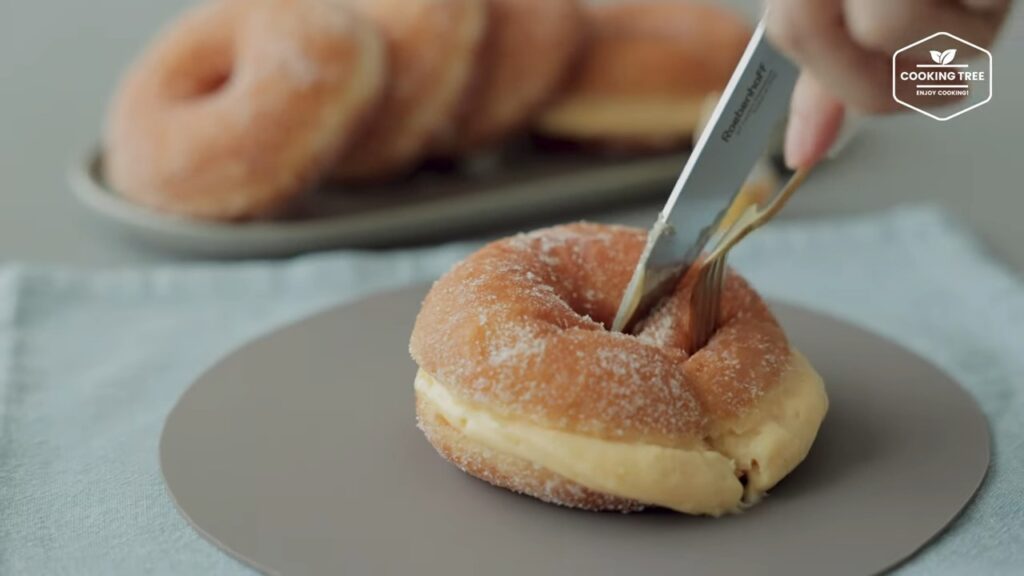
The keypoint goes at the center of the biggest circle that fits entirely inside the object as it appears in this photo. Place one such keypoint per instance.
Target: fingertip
(795, 149)
(815, 120)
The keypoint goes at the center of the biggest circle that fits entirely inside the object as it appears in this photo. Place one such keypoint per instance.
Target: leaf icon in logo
(936, 56)
(948, 55)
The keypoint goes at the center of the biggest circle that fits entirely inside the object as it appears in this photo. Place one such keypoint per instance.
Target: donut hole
(585, 307)
(587, 300)
(201, 72)
(206, 83)
(211, 84)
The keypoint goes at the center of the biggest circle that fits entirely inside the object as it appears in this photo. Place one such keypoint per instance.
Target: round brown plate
(299, 454)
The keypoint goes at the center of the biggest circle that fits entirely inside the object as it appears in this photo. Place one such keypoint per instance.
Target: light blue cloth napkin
(91, 363)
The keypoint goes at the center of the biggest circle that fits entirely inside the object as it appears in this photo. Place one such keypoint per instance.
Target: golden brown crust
(519, 327)
(509, 471)
(529, 47)
(237, 106)
(646, 69)
(742, 361)
(433, 47)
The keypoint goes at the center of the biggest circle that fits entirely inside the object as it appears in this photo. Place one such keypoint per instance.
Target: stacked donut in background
(240, 106)
(643, 80)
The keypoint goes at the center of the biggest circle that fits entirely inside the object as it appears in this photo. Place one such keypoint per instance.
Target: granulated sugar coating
(433, 48)
(521, 327)
(235, 108)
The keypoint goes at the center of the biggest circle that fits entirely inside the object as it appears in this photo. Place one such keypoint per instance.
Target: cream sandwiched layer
(609, 117)
(764, 445)
(691, 480)
(773, 439)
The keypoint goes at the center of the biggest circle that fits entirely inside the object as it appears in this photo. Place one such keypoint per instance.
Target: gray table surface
(60, 60)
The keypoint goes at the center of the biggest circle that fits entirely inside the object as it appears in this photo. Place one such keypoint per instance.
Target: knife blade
(754, 102)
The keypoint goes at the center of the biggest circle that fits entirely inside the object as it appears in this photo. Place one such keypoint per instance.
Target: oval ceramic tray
(525, 185)
(299, 454)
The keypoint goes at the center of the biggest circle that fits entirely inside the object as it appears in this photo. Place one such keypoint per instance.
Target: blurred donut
(237, 106)
(529, 47)
(646, 69)
(433, 47)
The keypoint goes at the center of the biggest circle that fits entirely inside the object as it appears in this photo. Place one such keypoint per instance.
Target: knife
(754, 102)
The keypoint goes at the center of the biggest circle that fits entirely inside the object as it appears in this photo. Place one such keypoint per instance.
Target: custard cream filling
(607, 117)
(703, 479)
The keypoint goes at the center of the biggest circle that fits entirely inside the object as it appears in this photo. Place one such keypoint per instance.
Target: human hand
(845, 48)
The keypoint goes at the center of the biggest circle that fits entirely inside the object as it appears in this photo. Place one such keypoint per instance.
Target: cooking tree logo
(947, 88)
(942, 76)
(943, 57)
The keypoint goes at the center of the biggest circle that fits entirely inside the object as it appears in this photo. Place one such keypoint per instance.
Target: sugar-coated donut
(521, 384)
(433, 47)
(646, 69)
(237, 106)
(529, 47)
